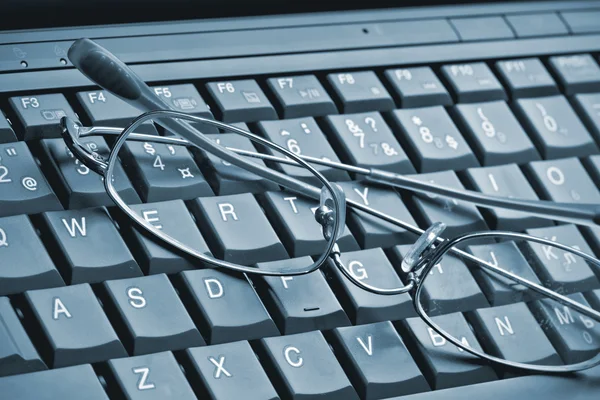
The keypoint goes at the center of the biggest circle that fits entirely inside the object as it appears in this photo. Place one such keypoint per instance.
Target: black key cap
(300, 303)
(417, 87)
(450, 287)
(162, 172)
(224, 306)
(148, 377)
(303, 366)
(148, 315)
(562, 181)
(508, 181)
(459, 217)
(432, 140)
(7, 135)
(560, 270)
(576, 73)
(593, 298)
(363, 307)
(592, 165)
(482, 28)
(500, 290)
(69, 327)
(473, 82)
(575, 336)
(185, 98)
(371, 231)
(23, 188)
(76, 185)
(63, 383)
(293, 218)
(377, 361)
(366, 141)
(526, 77)
(512, 333)
(228, 371)
(17, 354)
(494, 133)
(39, 116)
(588, 108)
(226, 178)
(538, 24)
(444, 364)
(87, 246)
(24, 264)
(240, 101)
(173, 218)
(359, 91)
(301, 136)
(554, 127)
(230, 224)
(300, 96)
(102, 108)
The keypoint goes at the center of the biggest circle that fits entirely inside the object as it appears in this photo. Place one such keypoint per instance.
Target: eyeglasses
(503, 261)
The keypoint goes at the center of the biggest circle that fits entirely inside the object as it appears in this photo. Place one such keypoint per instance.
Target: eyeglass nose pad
(326, 212)
(71, 132)
(422, 246)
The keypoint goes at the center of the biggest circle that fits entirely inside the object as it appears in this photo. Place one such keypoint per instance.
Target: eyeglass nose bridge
(71, 133)
(420, 252)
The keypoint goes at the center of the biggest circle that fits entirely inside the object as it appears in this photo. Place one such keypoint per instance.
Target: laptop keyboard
(80, 285)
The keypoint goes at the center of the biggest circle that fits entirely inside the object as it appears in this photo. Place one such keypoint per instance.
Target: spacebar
(581, 386)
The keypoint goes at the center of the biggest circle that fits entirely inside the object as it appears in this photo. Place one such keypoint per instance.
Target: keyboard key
(562, 181)
(573, 335)
(499, 290)
(377, 361)
(472, 83)
(576, 73)
(444, 364)
(557, 269)
(363, 307)
(17, 354)
(526, 77)
(25, 263)
(163, 172)
(592, 165)
(459, 217)
(224, 306)
(301, 136)
(366, 141)
(102, 108)
(592, 236)
(300, 303)
(226, 178)
(148, 377)
(417, 87)
(240, 101)
(303, 366)
(63, 383)
(148, 315)
(594, 299)
(87, 246)
(371, 231)
(359, 91)
(39, 116)
(228, 371)
(450, 287)
(173, 218)
(230, 222)
(588, 108)
(432, 140)
(23, 188)
(495, 134)
(300, 96)
(76, 185)
(482, 28)
(185, 98)
(294, 220)
(7, 135)
(69, 326)
(512, 333)
(537, 25)
(506, 181)
(554, 127)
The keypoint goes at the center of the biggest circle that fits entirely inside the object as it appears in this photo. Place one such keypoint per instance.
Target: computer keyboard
(91, 307)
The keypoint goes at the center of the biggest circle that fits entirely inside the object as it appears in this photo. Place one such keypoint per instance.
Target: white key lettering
(296, 361)
(363, 195)
(220, 369)
(154, 221)
(59, 308)
(360, 272)
(75, 226)
(214, 288)
(136, 297)
(227, 208)
(369, 346)
(284, 280)
(292, 204)
(504, 326)
(143, 383)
